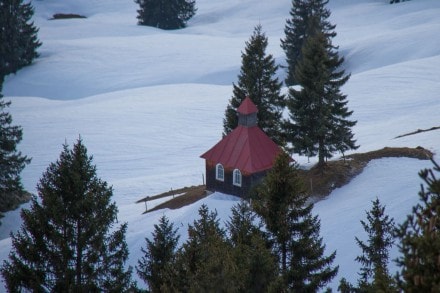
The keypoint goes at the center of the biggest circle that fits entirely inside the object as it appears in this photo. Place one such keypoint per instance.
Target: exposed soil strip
(337, 173)
(187, 195)
(319, 182)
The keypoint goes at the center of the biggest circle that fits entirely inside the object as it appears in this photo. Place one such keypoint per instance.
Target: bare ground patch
(321, 182)
(318, 182)
(184, 196)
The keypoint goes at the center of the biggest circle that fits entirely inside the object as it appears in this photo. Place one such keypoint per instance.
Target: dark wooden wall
(226, 186)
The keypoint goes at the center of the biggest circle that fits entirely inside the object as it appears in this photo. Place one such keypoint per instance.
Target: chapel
(242, 158)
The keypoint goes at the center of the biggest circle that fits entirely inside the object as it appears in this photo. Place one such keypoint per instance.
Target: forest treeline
(272, 244)
(71, 241)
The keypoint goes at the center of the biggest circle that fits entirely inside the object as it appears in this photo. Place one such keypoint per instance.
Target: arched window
(236, 177)
(219, 172)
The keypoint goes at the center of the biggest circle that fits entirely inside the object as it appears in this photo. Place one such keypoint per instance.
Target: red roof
(248, 149)
(247, 107)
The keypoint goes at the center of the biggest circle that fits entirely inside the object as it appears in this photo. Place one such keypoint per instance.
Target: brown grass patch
(320, 182)
(186, 196)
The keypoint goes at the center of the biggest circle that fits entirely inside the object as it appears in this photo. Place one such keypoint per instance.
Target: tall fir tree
(154, 268)
(297, 31)
(165, 14)
(419, 239)
(319, 117)
(12, 162)
(374, 275)
(273, 198)
(257, 79)
(68, 242)
(256, 265)
(18, 36)
(205, 263)
(283, 205)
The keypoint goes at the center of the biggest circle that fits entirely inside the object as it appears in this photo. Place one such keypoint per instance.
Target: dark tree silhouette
(159, 256)
(420, 239)
(68, 242)
(18, 36)
(319, 117)
(287, 214)
(297, 31)
(165, 14)
(257, 81)
(12, 162)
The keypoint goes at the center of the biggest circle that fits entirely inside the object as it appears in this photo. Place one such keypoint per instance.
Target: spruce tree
(309, 269)
(12, 162)
(287, 214)
(165, 14)
(280, 189)
(18, 36)
(420, 239)
(346, 287)
(318, 111)
(68, 241)
(257, 79)
(256, 265)
(297, 31)
(374, 274)
(159, 256)
(205, 263)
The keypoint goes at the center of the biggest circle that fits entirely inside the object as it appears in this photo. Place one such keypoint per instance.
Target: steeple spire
(247, 113)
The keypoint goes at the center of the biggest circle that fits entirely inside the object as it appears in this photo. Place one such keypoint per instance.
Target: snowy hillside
(148, 102)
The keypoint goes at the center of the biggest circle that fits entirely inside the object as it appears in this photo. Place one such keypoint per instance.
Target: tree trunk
(78, 268)
(284, 258)
(321, 157)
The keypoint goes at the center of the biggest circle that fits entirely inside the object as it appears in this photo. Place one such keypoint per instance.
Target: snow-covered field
(147, 103)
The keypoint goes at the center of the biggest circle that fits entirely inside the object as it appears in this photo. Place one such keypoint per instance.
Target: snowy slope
(148, 102)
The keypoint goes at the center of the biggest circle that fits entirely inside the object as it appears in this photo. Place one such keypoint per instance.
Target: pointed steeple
(247, 113)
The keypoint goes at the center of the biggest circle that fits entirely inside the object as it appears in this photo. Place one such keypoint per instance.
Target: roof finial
(247, 107)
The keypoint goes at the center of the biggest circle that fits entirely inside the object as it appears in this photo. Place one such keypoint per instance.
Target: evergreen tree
(309, 269)
(420, 239)
(258, 81)
(12, 162)
(205, 263)
(159, 256)
(374, 274)
(165, 14)
(68, 242)
(318, 110)
(18, 36)
(346, 287)
(279, 190)
(284, 207)
(297, 31)
(256, 266)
